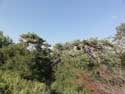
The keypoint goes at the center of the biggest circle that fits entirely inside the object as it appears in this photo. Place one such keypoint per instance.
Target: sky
(61, 20)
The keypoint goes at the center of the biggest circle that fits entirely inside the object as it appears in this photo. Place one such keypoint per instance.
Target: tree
(41, 58)
(120, 42)
(31, 38)
(4, 41)
(120, 36)
(22, 68)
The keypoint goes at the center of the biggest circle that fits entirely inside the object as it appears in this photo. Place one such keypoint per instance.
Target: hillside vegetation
(91, 66)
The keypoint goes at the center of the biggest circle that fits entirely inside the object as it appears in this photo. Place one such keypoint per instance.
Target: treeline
(32, 66)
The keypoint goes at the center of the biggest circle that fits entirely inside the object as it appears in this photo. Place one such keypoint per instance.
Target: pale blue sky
(61, 20)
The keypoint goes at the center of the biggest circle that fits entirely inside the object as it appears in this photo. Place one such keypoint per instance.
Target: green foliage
(25, 70)
(89, 58)
(31, 67)
(12, 83)
(4, 41)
